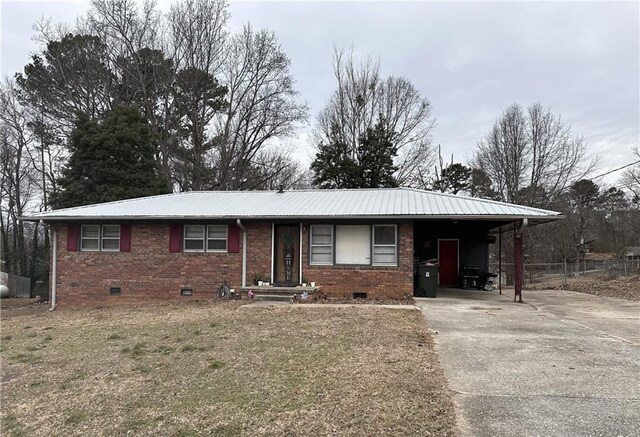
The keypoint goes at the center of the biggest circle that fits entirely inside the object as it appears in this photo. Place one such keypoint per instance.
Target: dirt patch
(624, 288)
(219, 369)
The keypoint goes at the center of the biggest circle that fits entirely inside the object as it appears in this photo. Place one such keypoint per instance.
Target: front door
(286, 257)
(448, 262)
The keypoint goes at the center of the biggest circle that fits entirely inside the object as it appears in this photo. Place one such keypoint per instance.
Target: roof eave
(481, 217)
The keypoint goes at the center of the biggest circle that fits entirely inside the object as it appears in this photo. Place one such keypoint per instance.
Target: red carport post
(519, 267)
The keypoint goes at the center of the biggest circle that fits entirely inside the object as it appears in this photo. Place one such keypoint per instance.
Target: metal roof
(295, 204)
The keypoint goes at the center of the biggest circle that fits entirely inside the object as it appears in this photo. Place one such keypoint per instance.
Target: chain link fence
(543, 272)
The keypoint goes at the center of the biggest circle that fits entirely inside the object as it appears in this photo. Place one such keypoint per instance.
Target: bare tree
(198, 38)
(631, 177)
(199, 34)
(532, 156)
(216, 103)
(137, 47)
(362, 97)
(261, 105)
(17, 175)
(274, 167)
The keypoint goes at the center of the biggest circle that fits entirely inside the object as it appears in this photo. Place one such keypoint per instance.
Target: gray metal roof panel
(398, 202)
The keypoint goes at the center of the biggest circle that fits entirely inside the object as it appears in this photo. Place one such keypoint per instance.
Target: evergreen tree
(453, 178)
(480, 185)
(375, 158)
(334, 167)
(112, 160)
(371, 166)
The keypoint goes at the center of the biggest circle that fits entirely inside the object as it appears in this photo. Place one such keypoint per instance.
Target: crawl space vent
(115, 290)
(186, 291)
(359, 295)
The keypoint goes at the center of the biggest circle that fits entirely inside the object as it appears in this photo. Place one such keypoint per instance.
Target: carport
(460, 246)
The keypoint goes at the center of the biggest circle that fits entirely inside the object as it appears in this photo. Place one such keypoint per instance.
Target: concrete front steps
(279, 294)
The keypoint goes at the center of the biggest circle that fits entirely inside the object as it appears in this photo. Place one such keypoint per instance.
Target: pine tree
(109, 161)
(334, 167)
(371, 166)
(375, 158)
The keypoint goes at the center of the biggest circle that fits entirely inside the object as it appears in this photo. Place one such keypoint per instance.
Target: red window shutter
(125, 238)
(175, 238)
(233, 243)
(72, 237)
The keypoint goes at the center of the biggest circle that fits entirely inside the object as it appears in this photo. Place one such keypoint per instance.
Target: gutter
(480, 217)
(244, 252)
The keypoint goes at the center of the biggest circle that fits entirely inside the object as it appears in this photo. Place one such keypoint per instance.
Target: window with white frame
(321, 244)
(202, 238)
(194, 238)
(95, 238)
(110, 238)
(90, 238)
(216, 238)
(375, 245)
(353, 244)
(384, 245)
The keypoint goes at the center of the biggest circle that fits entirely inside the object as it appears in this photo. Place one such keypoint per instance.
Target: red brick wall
(146, 273)
(377, 282)
(258, 251)
(151, 272)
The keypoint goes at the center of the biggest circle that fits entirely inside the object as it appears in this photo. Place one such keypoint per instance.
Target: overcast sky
(471, 60)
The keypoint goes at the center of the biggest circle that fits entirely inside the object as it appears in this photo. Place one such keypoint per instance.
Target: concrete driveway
(562, 364)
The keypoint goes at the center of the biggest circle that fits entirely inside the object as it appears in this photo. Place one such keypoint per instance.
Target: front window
(95, 238)
(203, 238)
(90, 238)
(216, 238)
(353, 244)
(111, 238)
(368, 245)
(321, 244)
(194, 238)
(384, 245)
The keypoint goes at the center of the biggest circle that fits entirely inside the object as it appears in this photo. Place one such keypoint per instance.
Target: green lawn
(219, 369)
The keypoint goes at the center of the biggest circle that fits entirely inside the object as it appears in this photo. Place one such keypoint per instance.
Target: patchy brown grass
(623, 288)
(220, 369)
(21, 305)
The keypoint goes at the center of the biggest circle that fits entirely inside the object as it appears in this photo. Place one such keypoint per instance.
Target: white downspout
(54, 267)
(273, 252)
(525, 223)
(300, 256)
(244, 252)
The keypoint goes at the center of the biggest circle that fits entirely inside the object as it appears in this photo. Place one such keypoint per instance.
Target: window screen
(194, 238)
(321, 244)
(384, 245)
(90, 238)
(111, 237)
(216, 238)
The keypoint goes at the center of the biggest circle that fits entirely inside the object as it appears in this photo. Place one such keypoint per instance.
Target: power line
(616, 169)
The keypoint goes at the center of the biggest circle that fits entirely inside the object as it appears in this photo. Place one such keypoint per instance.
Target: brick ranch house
(186, 245)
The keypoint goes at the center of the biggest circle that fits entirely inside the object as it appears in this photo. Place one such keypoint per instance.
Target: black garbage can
(427, 281)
